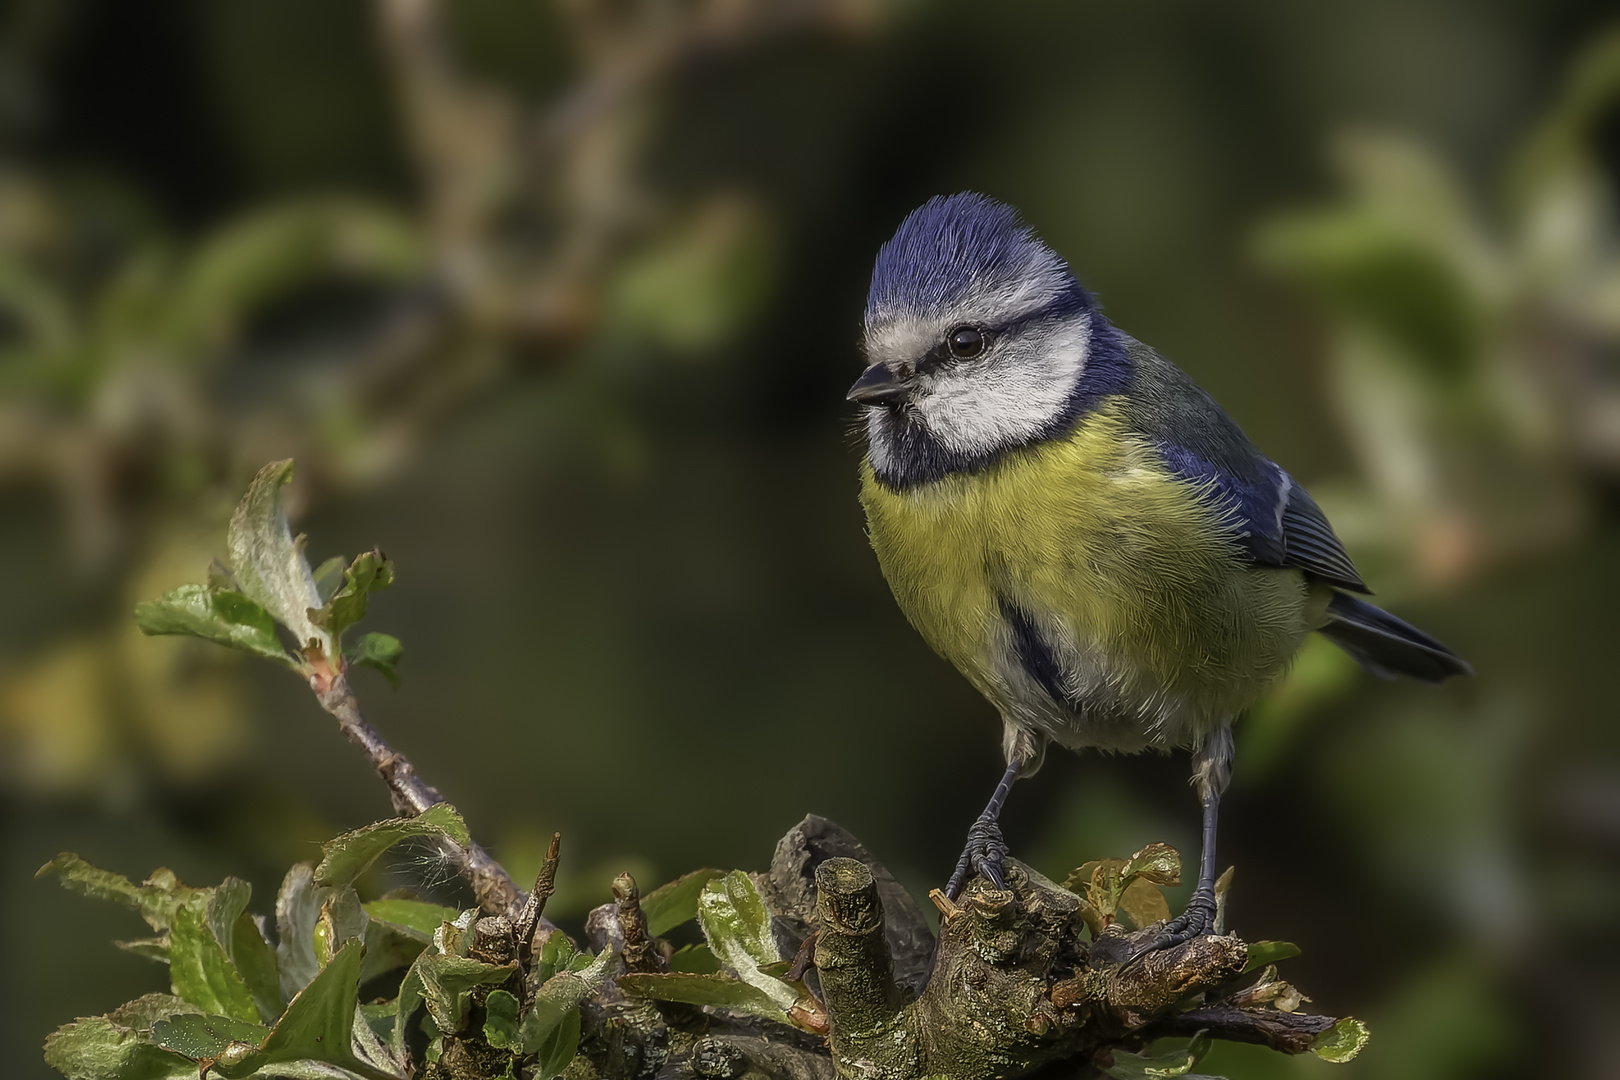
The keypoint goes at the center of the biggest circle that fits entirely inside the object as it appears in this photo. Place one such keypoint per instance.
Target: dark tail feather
(1385, 645)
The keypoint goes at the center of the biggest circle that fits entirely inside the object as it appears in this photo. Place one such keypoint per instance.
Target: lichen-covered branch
(1014, 983)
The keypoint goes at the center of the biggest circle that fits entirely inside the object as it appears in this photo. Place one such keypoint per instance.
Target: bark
(1011, 987)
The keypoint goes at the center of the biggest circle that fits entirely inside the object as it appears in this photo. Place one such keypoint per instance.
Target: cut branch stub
(852, 955)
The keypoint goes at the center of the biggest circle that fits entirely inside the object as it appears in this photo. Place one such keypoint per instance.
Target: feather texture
(1273, 518)
(1387, 646)
(1088, 592)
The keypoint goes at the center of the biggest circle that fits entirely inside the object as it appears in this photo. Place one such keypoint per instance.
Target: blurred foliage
(564, 296)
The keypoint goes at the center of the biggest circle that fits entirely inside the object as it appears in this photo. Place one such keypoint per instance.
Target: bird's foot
(1196, 921)
(983, 854)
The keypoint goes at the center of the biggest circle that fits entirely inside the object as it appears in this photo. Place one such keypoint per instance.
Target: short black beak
(878, 385)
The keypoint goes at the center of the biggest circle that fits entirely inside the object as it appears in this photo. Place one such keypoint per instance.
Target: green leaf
(1178, 1061)
(202, 974)
(412, 988)
(694, 960)
(347, 857)
(371, 1047)
(455, 938)
(676, 902)
(318, 1024)
(415, 919)
(245, 947)
(720, 990)
(1262, 953)
(559, 997)
(557, 953)
(1342, 1041)
(204, 1038)
(156, 899)
(319, 1070)
(341, 921)
(298, 908)
(557, 1048)
(501, 1014)
(1109, 888)
(255, 960)
(217, 615)
(738, 928)
(368, 573)
(97, 1048)
(1143, 903)
(268, 563)
(380, 1017)
(388, 949)
(225, 902)
(380, 651)
(119, 1046)
(328, 576)
(447, 984)
(406, 1004)
(1157, 863)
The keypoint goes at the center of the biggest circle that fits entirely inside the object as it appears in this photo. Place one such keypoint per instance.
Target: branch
(852, 956)
(1013, 985)
(1291, 1033)
(491, 884)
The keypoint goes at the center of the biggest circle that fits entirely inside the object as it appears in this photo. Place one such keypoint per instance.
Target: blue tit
(1078, 527)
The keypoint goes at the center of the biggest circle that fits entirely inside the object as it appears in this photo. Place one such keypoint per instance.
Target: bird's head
(977, 335)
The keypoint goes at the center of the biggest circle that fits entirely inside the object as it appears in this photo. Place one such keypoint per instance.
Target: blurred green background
(557, 303)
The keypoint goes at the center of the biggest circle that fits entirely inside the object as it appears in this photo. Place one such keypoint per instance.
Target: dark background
(557, 303)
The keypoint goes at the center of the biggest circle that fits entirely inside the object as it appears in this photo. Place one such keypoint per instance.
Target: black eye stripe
(940, 355)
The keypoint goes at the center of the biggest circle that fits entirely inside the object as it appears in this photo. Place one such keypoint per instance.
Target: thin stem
(491, 884)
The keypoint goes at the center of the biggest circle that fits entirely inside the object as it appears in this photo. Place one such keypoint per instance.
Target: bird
(1079, 528)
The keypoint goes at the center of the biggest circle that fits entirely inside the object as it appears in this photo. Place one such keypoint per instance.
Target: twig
(639, 954)
(1292, 1033)
(534, 908)
(491, 884)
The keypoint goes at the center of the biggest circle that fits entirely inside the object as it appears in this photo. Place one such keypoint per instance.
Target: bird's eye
(965, 342)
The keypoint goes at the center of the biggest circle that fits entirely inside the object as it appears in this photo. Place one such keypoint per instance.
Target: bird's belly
(1088, 595)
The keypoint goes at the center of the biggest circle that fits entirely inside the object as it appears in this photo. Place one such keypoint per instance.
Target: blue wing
(1277, 521)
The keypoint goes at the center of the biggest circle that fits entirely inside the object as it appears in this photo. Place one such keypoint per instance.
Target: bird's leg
(1212, 768)
(985, 847)
(1199, 918)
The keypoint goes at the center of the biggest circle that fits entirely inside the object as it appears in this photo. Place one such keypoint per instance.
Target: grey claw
(1196, 921)
(992, 871)
(983, 856)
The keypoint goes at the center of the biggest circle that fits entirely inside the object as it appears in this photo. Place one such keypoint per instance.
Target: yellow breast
(1139, 579)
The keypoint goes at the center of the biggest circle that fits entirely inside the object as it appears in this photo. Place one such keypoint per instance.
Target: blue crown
(954, 244)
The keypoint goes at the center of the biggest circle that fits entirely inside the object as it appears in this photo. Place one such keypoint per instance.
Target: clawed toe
(983, 855)
(1196, 921)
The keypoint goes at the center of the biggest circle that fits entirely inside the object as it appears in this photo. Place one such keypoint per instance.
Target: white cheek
(1008, 400)
(878, 448)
